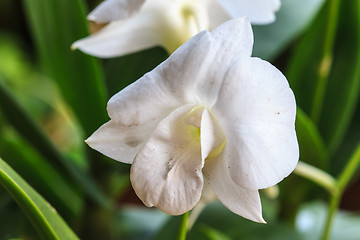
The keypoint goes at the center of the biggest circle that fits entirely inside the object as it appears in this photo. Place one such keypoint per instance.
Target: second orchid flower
(136, 25)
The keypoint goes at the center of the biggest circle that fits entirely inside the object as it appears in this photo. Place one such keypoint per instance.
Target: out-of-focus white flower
(209, 117)
(139, 24)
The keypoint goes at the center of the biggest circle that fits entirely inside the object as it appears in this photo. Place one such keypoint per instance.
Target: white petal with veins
(139, 24)
(112, 10)
(228, 41)
(193, 73)
(217, 14)
(256, 110)
(121, 37)
(119, 142)
(166, 173)
(167, 87)
(258, 11)
(242, 201)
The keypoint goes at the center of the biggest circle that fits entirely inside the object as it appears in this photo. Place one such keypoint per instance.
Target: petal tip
(74, 46)
(261, 220)
(89, 141)
(91, 17)
(255, 217)
(92, 141)
(277, 5)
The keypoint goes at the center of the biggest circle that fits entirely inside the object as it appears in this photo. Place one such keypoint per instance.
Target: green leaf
(30, 130)
(311, 144)
(41, 175)
(292, 19)
(40, 213)
(14, 225)
(340, 90)
(304, 64)
(344, 81)
(122, 71)
(55, 25)
(350, 169)
(347, 146)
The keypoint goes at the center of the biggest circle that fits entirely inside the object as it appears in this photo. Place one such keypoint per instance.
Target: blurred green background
(52, 98)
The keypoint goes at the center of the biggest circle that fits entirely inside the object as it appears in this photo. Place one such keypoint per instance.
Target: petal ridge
(256, 110)
(167, 172)
(113, 10)
(241, 201)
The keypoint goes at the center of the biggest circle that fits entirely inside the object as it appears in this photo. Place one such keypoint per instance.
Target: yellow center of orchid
(186, 21)
(193, 121)
(216, 151)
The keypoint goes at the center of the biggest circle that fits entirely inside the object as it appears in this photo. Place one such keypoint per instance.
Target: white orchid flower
(139, 24)
(209, 117)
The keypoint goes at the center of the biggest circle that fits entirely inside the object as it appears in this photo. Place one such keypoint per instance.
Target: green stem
(318, 176)
(195, 214)
(334, 204)
(342, 182)
(183, 226)
(326, 60)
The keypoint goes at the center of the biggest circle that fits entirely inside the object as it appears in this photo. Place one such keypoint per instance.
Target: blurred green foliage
(51, 98)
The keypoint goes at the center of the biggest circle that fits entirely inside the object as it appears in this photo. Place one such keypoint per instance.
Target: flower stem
(334, 204)
(195, 214)
(326, 59)
(183, 226)
(318, 176)
(342, 182)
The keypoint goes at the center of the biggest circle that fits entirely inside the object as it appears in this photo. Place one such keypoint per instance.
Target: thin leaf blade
(344, 82)
(40, 213)
(342, 86)
(311, 144)
(56, 25)
(41, 175)
(30, 130)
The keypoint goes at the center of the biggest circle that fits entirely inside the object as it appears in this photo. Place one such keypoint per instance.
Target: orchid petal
(228, 41)
(112, 10)
(256, 109)
(233, 37)
(217, 15)
(207, 194)
(242, 201)
(120, 143)
(258, 11)
(121, 37)
(166, 173)
(181, 79)
(167, 87)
